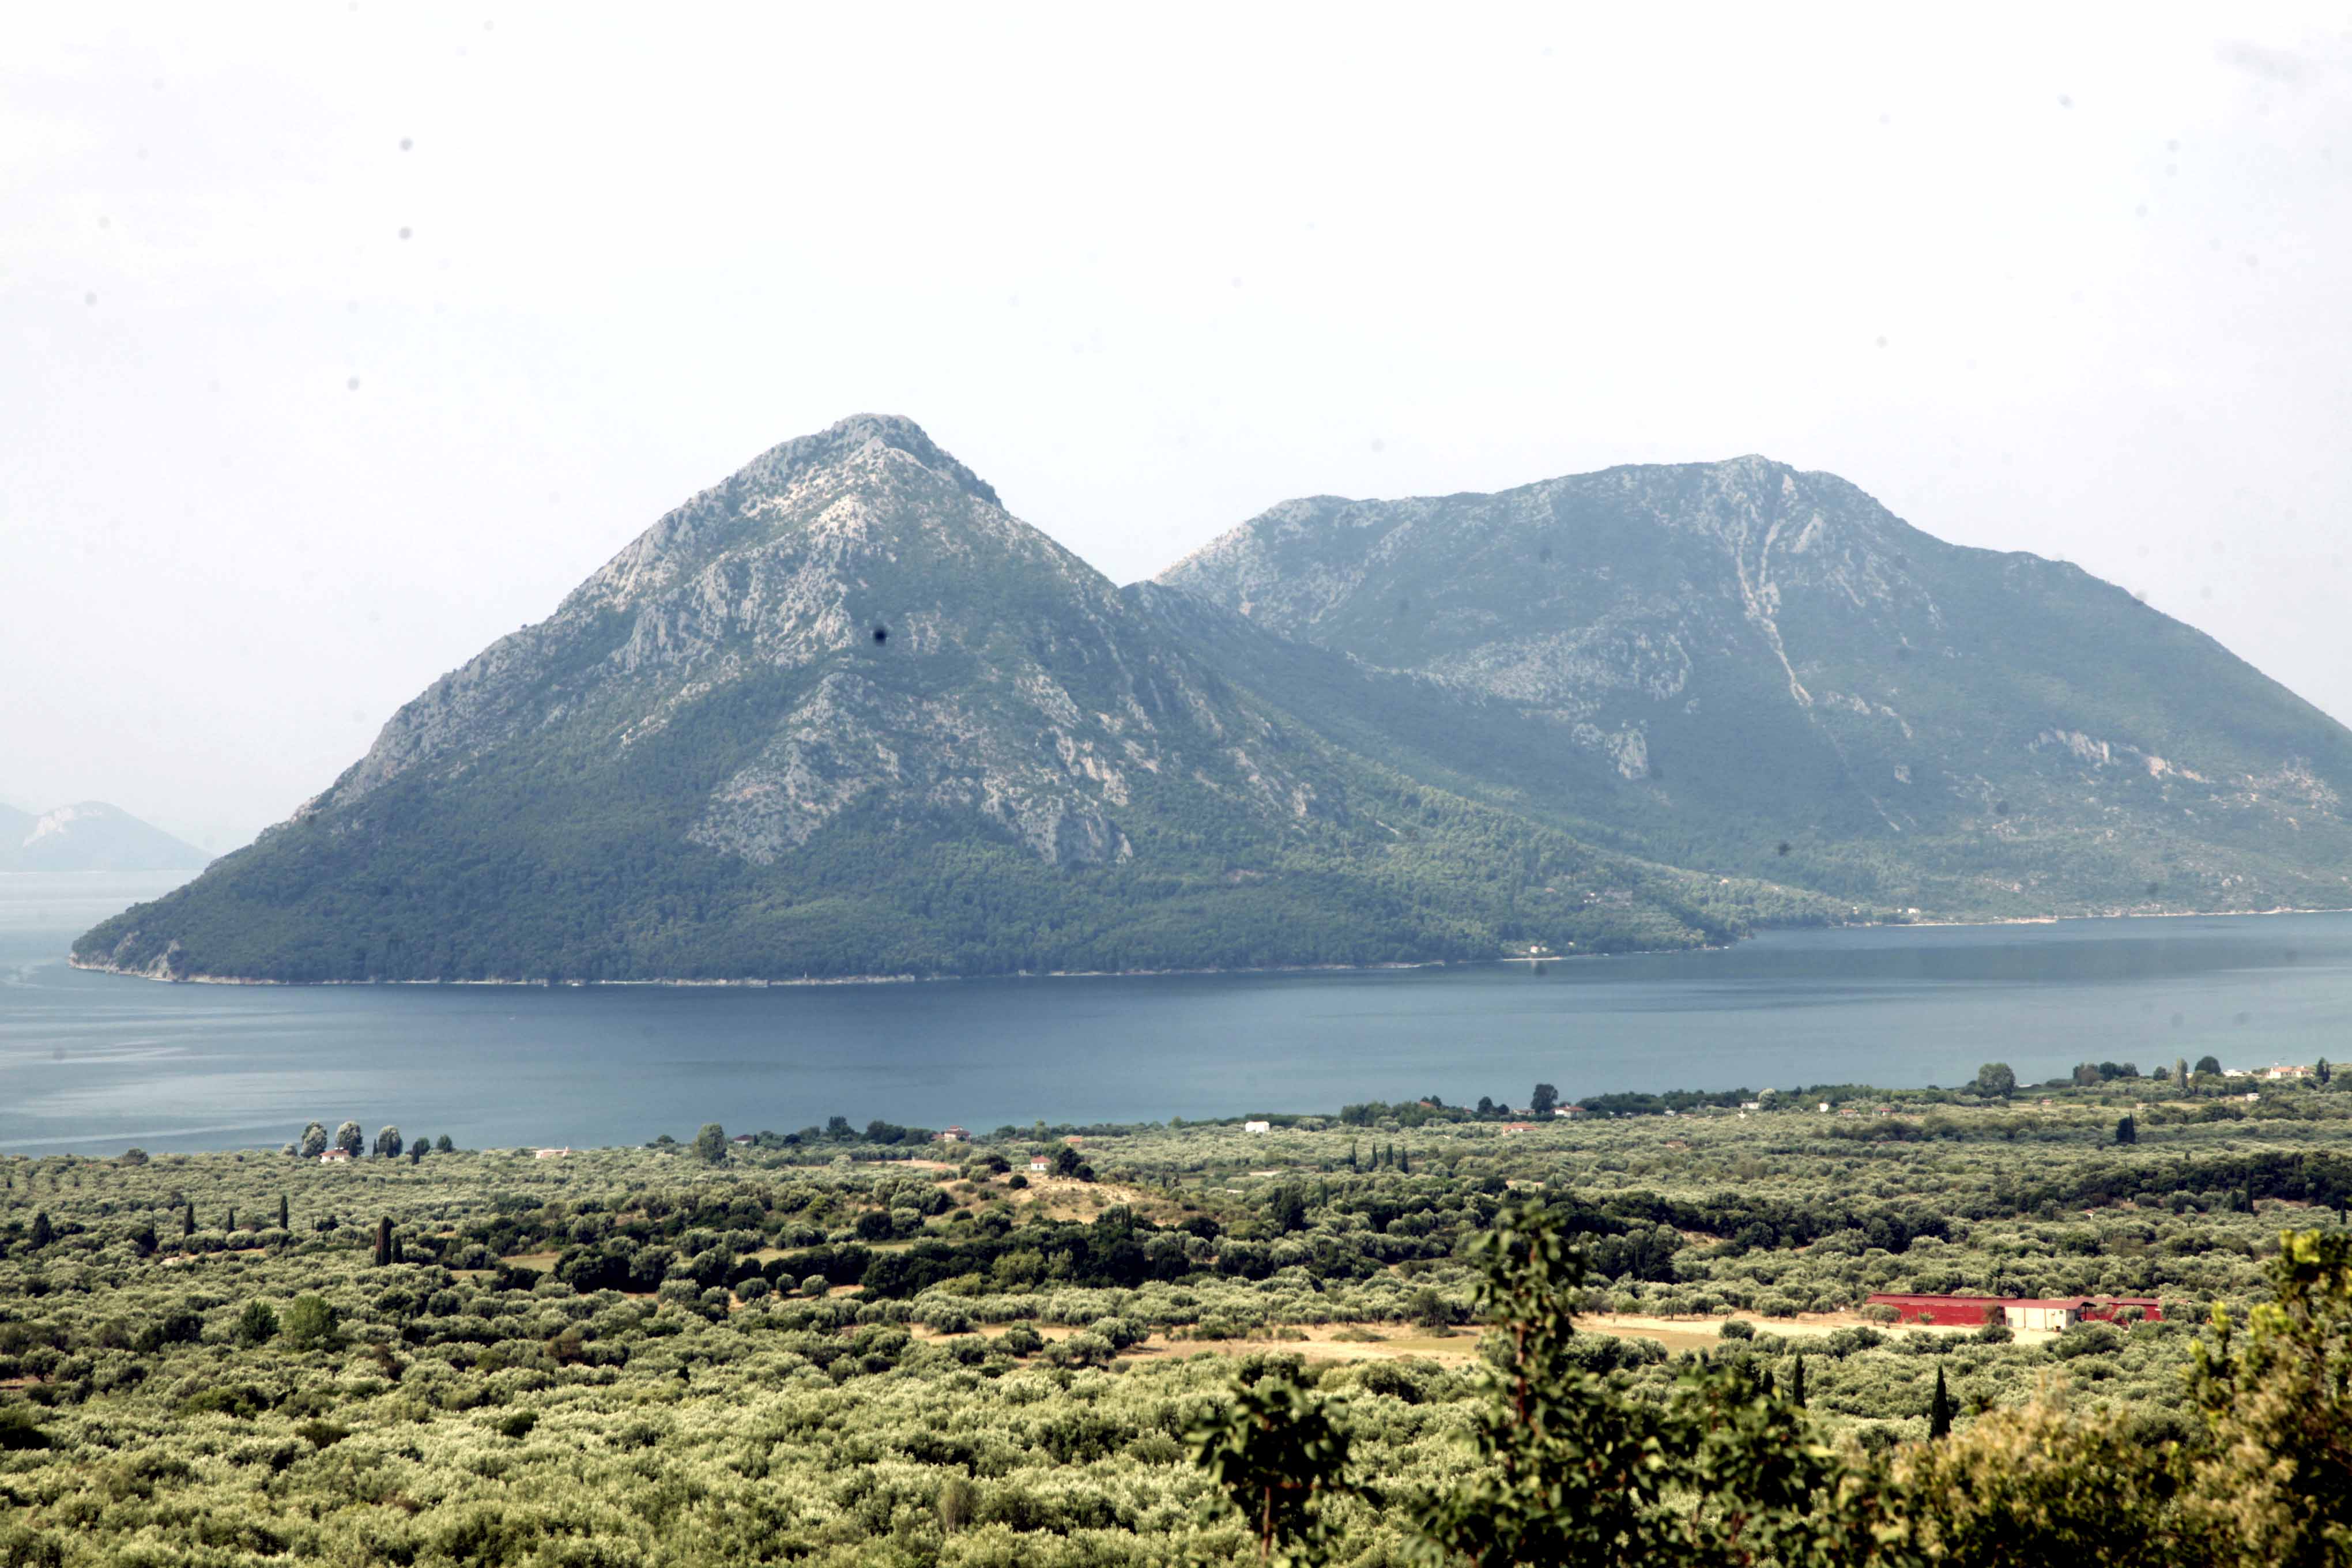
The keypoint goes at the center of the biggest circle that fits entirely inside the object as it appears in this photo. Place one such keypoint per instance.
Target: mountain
(845, 715)
(91, 837)
(1757, 670)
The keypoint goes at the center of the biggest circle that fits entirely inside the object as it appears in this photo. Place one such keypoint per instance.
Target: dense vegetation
(594, 880)
(835, 1345)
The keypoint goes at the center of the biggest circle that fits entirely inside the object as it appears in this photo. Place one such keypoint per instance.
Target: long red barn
(2022, 1311)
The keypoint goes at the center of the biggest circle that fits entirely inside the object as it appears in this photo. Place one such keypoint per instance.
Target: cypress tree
(1797, 1384)
(282, 1213)
(383, 1242)
(42, 1234)
(188, 1220)
(1939, 1410)
(1404, 1162)
(231, 1224)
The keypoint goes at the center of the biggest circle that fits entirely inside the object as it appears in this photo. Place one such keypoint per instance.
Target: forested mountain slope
(842, 715)
(1750, 668)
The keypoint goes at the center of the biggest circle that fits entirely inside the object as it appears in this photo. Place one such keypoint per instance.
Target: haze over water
(94, 1063)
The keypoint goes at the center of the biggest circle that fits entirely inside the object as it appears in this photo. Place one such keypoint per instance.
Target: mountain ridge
(1882, 677)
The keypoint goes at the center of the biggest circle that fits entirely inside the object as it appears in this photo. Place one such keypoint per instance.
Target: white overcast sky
(2049, 278)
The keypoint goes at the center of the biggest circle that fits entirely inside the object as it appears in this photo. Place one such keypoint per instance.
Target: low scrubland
(1381, 1335)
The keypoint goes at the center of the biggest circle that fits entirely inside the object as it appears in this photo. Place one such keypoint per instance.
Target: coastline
(750, 985)
(2140, 915)
(763, 984)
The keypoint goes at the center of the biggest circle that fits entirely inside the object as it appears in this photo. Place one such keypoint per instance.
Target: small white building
(2056, 1315)
(954, 1135)
(550, 1153)
(1040, 1166)
(335, 1157)
(1257, 1126)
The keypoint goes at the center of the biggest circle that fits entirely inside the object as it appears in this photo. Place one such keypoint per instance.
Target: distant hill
(90, 837)
(1757, 670)
(842, 714)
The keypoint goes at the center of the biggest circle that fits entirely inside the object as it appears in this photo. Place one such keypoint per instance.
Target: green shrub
(312, 1323)
(258, 1324)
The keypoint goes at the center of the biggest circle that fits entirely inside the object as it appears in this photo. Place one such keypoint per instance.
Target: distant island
(90, 837)
(844, 715)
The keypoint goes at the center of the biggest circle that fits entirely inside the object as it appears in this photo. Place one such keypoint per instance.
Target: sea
(97, 1063)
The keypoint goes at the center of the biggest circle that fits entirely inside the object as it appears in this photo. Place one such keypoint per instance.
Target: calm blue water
(93, 1063)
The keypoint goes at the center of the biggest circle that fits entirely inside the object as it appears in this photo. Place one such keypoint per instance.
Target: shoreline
(2131, 915)
(764, 985)
(74, 963)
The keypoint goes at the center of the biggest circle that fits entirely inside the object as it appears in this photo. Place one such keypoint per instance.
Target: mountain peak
(845, 438)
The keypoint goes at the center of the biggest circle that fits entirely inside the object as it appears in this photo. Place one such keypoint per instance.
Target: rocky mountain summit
(901, 642)
(1753, 668)
(844, 715)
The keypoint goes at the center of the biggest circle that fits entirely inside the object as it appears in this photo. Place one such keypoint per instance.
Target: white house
(1039, 1165)
(550, 1153)
(1257, 1126)
(334, 1156)
(2058, 1315)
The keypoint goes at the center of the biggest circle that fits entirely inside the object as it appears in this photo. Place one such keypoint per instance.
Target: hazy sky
(336, 342)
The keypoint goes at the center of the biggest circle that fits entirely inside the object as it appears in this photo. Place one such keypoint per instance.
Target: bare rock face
(942, 658)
